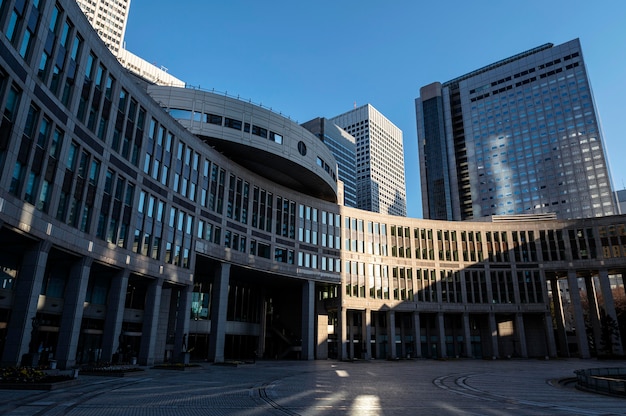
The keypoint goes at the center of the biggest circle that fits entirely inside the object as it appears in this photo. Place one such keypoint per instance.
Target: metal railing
(603, 380)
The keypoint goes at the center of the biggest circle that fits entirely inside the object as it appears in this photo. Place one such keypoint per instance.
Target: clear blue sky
(317, 58)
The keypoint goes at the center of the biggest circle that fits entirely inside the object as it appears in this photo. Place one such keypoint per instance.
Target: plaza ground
(406, 387)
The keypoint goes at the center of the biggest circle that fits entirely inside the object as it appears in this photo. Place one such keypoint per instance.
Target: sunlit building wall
(520, 136)
(380, 177)
(149, 224)
(108, 17)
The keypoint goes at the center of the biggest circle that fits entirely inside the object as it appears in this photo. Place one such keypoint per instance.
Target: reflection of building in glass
(138, 222)
(343, 147)
(520, 136)
(380, 184)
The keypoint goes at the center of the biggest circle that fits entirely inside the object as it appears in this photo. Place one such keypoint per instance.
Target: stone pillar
(441, 335)
(609, 309)
(343, 334)
(165, 341)
(112, 336)
(594, 312)
(520, 335)
(219, 305)
(308, 320)
(321, 349)
(551, 343)
(391, 335)
(350, 335)
(260, 351)
(417, 335)
(183, 315)
(577, 311)
(24, 310)
(467, 335)
(150, 323)
(559, 316)
(367, 334)
(493, 329)
(72, 315)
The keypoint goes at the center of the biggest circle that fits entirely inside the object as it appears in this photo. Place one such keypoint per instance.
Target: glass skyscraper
(520, 136)
(343, 147)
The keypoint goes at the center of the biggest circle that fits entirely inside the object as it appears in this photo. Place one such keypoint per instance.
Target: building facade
(108, 18)
(132, 227)
(380, 178)
(519, 136)
(343, 147)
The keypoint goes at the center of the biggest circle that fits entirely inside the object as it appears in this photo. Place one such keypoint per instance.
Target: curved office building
(142, 222)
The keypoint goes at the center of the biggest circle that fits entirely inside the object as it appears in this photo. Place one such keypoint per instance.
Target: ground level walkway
(407, 387)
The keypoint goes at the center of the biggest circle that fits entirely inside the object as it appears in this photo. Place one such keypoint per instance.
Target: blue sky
(319, 58)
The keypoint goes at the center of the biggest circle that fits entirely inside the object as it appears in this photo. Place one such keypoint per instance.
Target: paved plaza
(413, 387)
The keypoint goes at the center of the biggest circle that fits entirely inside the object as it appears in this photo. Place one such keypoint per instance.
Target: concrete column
(219, 305)
(594, 312)
(551, 343)
(183, 315)
(467, 335)
(367, 334)
(112, 335)
(417, 335)
(441, 335)
(24, 310)
(308, 320)
(520, 334)
(391, 335)
(166, 323)
(577, 311)
(490, 297)
(343, 335)
(350, 334)
(72, 315)
(559, 317)
(493, 329)
(150, 323)
(609, 308)
(260, 352)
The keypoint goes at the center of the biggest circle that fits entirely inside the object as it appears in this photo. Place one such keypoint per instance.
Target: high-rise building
(343, 147)
(160, 218)
(108, 17)
(380, 184)
(520, 136)
(621, 200)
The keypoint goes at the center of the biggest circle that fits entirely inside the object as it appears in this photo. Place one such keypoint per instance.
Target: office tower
(380, 185)
(343, 147)
(621, 200)
(520, 136)
(109, 20)
(137, 221)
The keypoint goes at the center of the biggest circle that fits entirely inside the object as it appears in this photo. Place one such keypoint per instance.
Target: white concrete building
(108, 17)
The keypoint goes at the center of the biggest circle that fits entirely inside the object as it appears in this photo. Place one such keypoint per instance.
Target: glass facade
(526, 138)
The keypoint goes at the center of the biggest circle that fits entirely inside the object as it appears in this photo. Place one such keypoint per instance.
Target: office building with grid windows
(108, 17)
(519, 136)
(160, 224)
(380, 181)
(343, 147)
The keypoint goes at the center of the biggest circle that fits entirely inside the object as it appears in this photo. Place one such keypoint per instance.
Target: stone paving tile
(424, 387)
